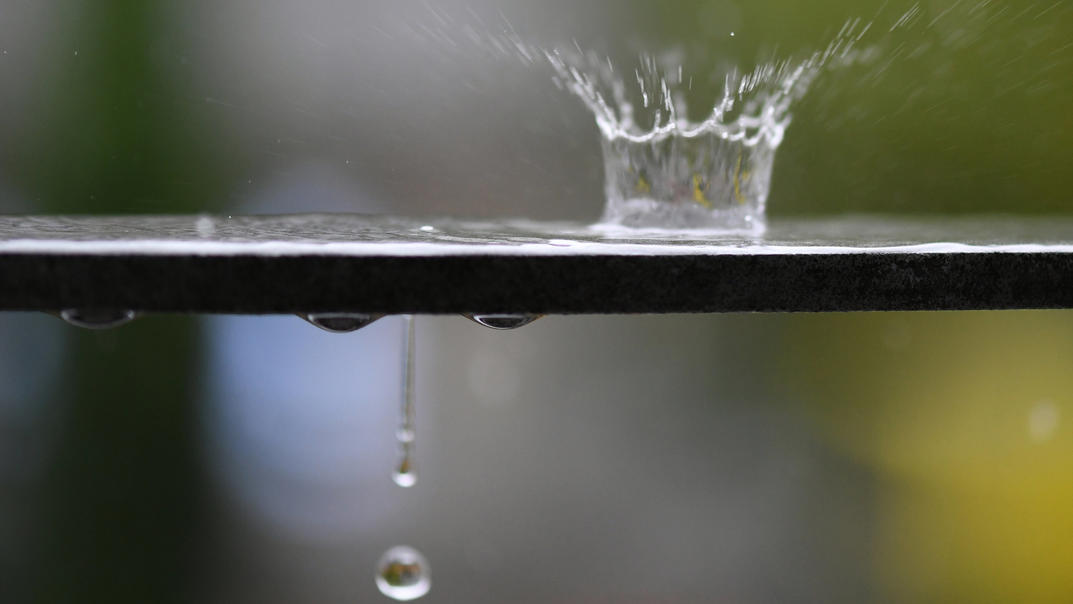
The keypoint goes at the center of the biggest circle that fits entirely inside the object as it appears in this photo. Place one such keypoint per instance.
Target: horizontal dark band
(347, 263)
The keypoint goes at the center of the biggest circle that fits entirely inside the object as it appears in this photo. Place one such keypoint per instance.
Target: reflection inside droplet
(403, 574)
(503, 321)
(97, 318)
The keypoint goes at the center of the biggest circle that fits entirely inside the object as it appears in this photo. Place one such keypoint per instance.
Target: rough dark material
(346, 263)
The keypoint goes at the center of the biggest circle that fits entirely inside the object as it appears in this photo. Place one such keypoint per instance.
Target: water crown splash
(665, 171)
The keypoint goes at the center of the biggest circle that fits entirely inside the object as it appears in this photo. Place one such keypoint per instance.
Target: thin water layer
(361, 236)
(352, 235)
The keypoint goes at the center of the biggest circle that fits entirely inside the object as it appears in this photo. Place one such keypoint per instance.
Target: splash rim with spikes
(663, 170)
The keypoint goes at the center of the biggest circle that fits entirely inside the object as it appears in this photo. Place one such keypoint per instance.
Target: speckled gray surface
(335, 263)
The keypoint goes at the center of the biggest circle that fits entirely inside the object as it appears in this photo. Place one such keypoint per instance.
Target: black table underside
(352, 263)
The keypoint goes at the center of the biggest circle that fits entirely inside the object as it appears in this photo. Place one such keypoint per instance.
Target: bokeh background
(743, 458)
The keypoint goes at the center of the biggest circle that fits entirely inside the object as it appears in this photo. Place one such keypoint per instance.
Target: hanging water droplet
(340, 322)
(503, 321)
(97, 318)
(403, 574)
(404, 474)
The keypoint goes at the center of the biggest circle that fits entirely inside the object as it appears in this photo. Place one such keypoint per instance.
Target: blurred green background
(864, 457)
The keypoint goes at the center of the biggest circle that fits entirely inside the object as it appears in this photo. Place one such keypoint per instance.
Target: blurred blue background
(741, 458)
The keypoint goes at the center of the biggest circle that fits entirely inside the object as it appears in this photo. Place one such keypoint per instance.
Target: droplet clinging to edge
(97, 318)
(503, 321)
(340, 322)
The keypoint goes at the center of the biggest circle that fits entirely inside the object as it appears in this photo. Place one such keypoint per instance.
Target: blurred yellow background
(965, 416)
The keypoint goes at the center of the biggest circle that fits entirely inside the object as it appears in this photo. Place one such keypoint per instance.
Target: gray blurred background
(742, 458)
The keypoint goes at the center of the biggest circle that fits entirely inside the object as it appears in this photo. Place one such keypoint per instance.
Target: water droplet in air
(340, 322)
(96, 318)
(405, 434)
(503, 321)
(404, 474)
(402, 574)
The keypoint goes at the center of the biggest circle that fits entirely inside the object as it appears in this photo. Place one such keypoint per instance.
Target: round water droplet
(503, 321)
(405, 435)
(97, 318)
(340, 322)
(402, 574)
(405, 475)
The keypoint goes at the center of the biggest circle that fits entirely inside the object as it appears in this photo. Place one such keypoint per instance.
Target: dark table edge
(573, 284)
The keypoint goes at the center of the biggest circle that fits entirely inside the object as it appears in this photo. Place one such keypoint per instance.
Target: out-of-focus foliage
(966, 417)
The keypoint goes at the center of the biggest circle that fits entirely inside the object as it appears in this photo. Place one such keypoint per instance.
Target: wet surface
(384, 265)
(199, 233)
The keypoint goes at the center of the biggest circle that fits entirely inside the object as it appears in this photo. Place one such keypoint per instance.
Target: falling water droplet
(340, 322)
(503, 321)
(404, 474)
(97, 318)
(403, 574)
